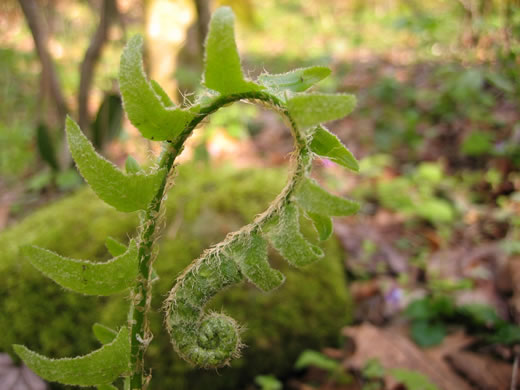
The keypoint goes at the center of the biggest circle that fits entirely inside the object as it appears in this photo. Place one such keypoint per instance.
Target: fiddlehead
(206, 340)
(212, 340)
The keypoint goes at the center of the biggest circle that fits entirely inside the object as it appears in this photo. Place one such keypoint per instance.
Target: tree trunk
(166, 25)
(108, 13)
(203, 17)
(49, 76)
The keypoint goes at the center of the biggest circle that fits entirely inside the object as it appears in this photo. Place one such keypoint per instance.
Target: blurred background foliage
(424, 71)
(437, 127)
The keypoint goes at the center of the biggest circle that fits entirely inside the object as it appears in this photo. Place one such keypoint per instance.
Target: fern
(204, 339)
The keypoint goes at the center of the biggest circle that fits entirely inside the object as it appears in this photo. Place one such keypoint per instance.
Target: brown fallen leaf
(363, 289)
(352, 235)
(394, 349)
(483, 371)
(514, 272)
(452, 343)
(466, 262)
(333, 353)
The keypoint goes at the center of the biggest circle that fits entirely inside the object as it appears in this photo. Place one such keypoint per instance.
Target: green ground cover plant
(208, 340)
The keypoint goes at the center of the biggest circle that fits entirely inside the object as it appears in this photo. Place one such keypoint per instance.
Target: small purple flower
(394, 296)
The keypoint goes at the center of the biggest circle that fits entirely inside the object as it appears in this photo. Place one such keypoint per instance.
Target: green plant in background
(206, 340)
(374, 374)
(412, 380)
(15, 134)
(268, 382)
(432, 315)
(422, 192)
(334, 368)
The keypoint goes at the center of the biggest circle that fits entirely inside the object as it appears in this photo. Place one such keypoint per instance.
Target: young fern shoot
(204, 339)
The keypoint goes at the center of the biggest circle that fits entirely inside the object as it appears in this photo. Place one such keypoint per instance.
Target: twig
(36, 25)
(108, 11)
(514, 375)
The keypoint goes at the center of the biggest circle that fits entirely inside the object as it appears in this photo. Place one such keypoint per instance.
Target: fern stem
(140, 334)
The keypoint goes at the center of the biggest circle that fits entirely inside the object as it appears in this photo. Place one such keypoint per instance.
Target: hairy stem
(140, 335)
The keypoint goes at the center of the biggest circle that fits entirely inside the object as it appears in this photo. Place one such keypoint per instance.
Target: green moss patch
(206, 204)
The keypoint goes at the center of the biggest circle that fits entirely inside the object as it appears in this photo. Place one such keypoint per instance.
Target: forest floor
(432, 258)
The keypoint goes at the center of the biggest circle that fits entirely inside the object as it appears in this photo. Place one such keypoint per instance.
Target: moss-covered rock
(306, 312)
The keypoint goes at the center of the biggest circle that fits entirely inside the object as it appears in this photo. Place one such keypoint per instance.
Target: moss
(204, 206)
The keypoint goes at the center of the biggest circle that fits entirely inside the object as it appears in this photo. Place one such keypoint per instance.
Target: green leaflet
(286, 238)
(322, 224)
(297, 80)
(312, 109)
(326, 144)
(314, 199)
(222, 71)
(83, 276)
(103, 333)
(144, 102)
(115, 248)
(107, 387)
(131, 165)
(102, 366)
(165, 99)
(250, 254)
(125, 192)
